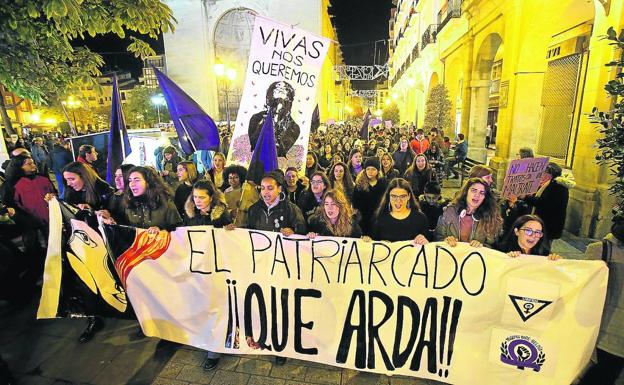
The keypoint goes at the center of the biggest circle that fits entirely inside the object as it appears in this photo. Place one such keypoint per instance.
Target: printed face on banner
(282, 77)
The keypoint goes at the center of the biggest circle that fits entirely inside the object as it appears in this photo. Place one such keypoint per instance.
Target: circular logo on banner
(522, 352)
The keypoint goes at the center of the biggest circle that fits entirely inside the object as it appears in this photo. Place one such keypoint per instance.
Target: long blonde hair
(343, 225)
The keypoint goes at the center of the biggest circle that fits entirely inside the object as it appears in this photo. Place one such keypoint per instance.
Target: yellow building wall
(520, 32)
(331, 97)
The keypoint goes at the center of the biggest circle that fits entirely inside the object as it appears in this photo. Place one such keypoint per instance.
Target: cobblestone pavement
(47, 352)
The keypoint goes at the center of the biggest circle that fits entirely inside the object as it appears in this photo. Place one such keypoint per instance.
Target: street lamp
(158, 100)
(228, 75)
(72, 104)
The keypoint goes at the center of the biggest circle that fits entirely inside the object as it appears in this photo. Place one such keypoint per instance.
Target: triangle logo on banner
(528, 307)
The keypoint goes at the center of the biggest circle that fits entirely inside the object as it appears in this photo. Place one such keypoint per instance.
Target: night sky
(114, 51)
(359, 24)
(362, 27)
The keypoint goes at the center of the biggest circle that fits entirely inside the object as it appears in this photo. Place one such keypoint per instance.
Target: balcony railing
(448, 12)
(429, 36)
(415, 52)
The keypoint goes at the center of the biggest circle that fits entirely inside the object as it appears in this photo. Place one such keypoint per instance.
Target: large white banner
(458, 315)
(282, 76)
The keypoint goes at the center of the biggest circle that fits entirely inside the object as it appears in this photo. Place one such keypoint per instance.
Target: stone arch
(434, 80)
(231, 43)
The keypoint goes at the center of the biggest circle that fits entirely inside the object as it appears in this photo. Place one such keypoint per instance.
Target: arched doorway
(232, 40)
(485, 89)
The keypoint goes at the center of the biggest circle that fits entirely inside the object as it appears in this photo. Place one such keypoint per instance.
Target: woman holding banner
(274, 212)
(148, 203)
(85, 189)
(473, 216)
(334, 218)
(398, 217)
(527, 237)
(206, 206)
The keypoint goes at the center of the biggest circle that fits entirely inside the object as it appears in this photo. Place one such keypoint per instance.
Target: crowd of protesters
(388, 187)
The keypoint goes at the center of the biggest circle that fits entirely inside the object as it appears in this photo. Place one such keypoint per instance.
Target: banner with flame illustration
(445, 313)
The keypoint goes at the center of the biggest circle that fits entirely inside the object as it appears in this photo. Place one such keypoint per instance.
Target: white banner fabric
(455, 314)
(282, 76)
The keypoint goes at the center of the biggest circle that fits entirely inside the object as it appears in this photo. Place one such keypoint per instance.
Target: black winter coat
(284, 215)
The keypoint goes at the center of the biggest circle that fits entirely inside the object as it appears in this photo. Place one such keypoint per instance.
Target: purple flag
(196, 130)
(118, 142)
(364, 129)
(264, 157)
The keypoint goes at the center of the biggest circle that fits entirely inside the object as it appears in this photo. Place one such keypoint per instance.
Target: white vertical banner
(282, 77)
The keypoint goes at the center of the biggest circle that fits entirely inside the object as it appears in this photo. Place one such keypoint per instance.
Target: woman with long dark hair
(84, 188)
(334, 217)
(148, 202)
(369, 189)
(526, 236)
(312, 164)
(116, 202)
(387, 167)
(398, 217)
(355, 162)
(327, 157)
(419, 174)
(187, 176)
(340, 179)
(473, 216)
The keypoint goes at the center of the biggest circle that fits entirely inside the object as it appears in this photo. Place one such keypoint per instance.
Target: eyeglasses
(399, 197)
(529, 232)
(316, 181)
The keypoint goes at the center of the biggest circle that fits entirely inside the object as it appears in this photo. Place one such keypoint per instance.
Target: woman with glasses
(473, 216)
(399, 217)
(311, 198)
(334, 218)
(527, 237)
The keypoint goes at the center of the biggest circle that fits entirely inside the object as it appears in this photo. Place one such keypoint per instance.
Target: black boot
(94, 324)
(210, 363)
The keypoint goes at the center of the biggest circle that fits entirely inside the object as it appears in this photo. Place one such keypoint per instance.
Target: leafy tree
(139, 109)
(611, 146)
(37, 60)
(438, 109)
(391, 112)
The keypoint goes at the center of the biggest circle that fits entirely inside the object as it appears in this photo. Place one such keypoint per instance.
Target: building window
(558, 102)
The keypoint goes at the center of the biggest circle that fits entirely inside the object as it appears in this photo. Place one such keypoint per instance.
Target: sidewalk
(47, 352)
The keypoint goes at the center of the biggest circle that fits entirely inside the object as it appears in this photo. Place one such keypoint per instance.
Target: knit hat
(372, 162)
